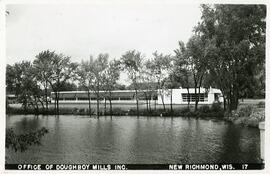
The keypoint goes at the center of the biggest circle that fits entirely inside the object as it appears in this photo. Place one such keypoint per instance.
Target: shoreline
(246, 115)
(226, 119)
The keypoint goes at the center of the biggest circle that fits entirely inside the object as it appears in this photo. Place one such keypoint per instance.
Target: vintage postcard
(134, 85)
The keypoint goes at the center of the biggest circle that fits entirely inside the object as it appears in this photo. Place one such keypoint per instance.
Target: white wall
(177, 96)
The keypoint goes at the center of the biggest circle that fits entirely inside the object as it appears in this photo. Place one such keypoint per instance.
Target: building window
(82, 98)
(203, 97)
(217, 97)
(125, 98)
(70, 99)
(114, 98)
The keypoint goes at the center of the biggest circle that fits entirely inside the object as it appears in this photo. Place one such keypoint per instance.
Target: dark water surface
(78, 139)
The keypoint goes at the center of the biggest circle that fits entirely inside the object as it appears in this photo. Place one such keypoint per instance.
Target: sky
(82, 30)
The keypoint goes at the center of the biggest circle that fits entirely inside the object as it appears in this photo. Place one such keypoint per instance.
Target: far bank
(249, 113)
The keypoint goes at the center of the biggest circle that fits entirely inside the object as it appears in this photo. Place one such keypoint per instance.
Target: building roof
(128, 93)
(202, 90)
(84, 94)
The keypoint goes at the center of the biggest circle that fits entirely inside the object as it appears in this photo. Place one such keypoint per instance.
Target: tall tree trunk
(54, 103)
(46, 95)
(110, 103)
(224, 99)
(199, 95)
(98, 100)
(105, 106)
(171, 101)
(228, 98)
(224, 103)
(155, 105)
(188, 97)
(234, 99)
(149, 102)
(89, 103)
(162, 99)
(58, 94)
(98, 103)
(146, 100)
(200, 84)
(195, 93)
(41, 102)
(35, 105)
(161, 95)
(137, 101)
(58, 102)
(36, 102)
(228, 104)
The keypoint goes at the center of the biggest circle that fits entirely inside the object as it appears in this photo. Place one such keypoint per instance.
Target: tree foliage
(22, 142)
(61, 70)
(98, 70)
(132, 64)
(160, 72)
(21, 80)
(234, 37)
(110, 78)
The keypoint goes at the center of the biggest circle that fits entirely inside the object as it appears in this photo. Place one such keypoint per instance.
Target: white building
(180, 96)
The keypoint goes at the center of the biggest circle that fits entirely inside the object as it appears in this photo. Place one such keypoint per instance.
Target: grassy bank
(203, 111)
(247, 114)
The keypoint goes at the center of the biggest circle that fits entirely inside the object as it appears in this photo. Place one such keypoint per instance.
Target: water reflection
(27, 124)
(77, 139)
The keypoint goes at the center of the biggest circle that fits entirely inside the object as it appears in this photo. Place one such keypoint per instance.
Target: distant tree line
(226, 51)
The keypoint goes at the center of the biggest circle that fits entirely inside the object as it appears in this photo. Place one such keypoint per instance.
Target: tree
(148, 84)
(21, 79)
(197, 62)
(110, 76)
(10, 79)
(235, 44)
(68, 86)
(42, 65)
(61, 70)
(98, 70)
(132, 64)
(160, 65)
(182, 73)
(23, 141)
(169, 82)
(85, 78)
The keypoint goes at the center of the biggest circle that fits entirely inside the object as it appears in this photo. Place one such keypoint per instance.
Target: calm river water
(78, 139)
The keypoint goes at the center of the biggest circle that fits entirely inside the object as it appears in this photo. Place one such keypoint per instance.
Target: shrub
(92, 111)
(132, 112)
(82, 111)
(216, 107)
(204, 109)
(261, 104)
(258, 114)
(168, 113)
(245, 111)
(67, 111)
(185, 110)
(152, 113)
(144, 112)
(156, 112)
(117, 112)
(23, 141)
